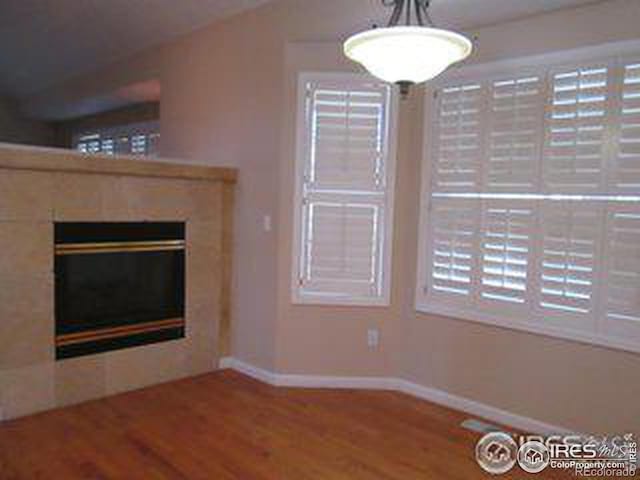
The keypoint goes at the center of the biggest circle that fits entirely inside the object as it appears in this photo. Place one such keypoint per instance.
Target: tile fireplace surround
(41, 186)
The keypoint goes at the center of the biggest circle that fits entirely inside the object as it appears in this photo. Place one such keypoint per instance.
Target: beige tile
(27, 322)
(80, 379)
(207, 200)
(77, 197)
(202, 336)
(203, 262)
(115, 204)
(25, 195)
(89, 197)
(205, 236)
(139, 367)
(26, 248)
(27, 390)
(154, 199)
(202, 358)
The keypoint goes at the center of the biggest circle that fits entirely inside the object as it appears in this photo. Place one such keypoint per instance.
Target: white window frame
(615, 337)
(298, 297)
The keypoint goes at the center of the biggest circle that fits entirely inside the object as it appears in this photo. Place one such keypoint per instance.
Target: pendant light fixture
(411, 53)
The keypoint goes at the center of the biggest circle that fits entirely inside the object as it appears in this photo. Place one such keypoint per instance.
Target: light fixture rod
(421, 8)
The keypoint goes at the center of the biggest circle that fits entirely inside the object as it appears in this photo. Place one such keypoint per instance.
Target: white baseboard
(503, 417)
(433, 395)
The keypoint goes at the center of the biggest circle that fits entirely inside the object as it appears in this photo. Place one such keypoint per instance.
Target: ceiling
(44, 42)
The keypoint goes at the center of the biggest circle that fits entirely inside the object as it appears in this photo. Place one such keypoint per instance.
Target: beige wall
(228, 98)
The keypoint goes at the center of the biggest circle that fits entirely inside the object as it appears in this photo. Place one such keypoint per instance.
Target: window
(344, 190)
(135, 139)
(531, 200)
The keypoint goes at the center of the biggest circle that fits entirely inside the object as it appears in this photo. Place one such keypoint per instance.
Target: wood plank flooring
(226, 426)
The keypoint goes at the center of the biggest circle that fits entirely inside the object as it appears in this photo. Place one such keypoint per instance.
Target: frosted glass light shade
(407, 54)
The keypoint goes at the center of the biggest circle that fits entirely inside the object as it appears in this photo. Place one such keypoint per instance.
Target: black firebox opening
(118, 285)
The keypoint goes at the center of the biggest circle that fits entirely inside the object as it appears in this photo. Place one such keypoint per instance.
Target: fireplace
(118, 285)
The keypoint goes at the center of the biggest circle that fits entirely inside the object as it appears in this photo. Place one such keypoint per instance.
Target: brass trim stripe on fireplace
(116, 332)
(114, 247)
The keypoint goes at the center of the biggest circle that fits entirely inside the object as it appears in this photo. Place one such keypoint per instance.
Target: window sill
(588, 338)
(312, 300)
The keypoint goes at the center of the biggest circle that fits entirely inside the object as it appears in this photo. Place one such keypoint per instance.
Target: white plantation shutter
(454, 233)
(457, 138)
(344, 199)
(576, 130)
(515, 123)
(622, 269)
(346, 144)
(506, 247)
(531, 208)
(569, 237)
(625, 172)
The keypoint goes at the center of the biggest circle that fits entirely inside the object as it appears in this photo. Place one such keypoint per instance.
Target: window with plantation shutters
(344, 191)
(530, 212)
(134, 139)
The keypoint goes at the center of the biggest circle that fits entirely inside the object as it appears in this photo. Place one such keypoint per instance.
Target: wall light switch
(373, 337)
(266, 223)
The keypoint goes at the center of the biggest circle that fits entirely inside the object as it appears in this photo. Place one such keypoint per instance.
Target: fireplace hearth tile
(26, 321)
(80, 379)
(27, 390)
(143, 366)
(202, 338)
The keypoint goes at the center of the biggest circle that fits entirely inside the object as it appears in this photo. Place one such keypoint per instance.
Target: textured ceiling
(44, 42)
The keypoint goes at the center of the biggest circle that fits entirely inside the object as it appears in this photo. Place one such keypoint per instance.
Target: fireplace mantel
(18, 157)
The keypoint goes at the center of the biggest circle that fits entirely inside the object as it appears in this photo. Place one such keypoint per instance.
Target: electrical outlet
(373, 337)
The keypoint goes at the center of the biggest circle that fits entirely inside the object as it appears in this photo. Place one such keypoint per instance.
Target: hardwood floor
(228, 426)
